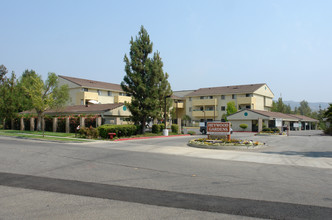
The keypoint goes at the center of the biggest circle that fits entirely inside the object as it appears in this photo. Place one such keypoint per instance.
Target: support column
(260, 125)
(55, 124)
(98, 122)
(43, 124)
(117, 121)
(179, 125)
(32, 124)
(22, 124)
(67, 125)
(82, 122)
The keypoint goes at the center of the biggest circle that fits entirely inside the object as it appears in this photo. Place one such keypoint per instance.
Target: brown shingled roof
(78, 109)
(250, 88)
(93, 84)
(274, 114)
(304, 118)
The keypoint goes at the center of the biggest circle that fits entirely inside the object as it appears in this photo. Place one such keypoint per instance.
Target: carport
(257, 119)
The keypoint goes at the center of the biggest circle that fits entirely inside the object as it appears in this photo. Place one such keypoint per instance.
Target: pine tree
(144, 81)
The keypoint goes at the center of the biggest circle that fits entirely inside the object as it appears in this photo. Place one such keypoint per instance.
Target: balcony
(246, 100)
(208, 113)
(201, 102)
(178, 105)
(90, 96)
(122, 99)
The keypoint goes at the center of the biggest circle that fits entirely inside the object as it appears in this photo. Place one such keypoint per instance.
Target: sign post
(219, 129)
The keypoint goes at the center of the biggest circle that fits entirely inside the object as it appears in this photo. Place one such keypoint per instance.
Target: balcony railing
(178, 105)
(201, 102)
(207, 113)
(246, 100)
(122, 99)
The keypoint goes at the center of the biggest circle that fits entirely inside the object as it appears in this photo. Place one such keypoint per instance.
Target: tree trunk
(3, 123)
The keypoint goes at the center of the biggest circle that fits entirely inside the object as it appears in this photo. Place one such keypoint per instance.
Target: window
(233, 96)
(210, 97)
(82, 102)
(189, 98)
(99, 92)
(189, 109)
(85, 89)
(223, 108)
(222, 97)
(248, 95)
(247, 106)
(109, 93)
(202, 97)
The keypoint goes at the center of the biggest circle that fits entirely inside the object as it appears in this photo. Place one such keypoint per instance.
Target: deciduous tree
(45, 95)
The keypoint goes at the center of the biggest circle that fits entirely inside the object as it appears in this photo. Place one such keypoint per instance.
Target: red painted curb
(138, 138)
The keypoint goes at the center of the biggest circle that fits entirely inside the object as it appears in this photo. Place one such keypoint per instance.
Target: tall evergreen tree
(144, 81)
(9, 105)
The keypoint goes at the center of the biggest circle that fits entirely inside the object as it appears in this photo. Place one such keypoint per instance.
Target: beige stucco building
(83, 91)
(209, 104)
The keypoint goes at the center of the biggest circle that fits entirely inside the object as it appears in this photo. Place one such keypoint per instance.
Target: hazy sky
(286, 44)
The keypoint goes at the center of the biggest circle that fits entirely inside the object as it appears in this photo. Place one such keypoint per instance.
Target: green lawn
(55, 136)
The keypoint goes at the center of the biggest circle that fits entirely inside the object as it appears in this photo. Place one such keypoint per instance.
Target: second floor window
(233, 96)
(223, 108)
(109, 93)
(222, 97)
(99, 92)
(85, 89)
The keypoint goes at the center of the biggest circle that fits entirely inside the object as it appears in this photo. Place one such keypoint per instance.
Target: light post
(165, 115)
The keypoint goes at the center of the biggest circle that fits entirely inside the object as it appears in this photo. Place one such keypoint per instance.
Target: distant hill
(313, 105)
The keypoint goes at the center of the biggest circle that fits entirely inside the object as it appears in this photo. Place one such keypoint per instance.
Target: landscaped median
(224, 144)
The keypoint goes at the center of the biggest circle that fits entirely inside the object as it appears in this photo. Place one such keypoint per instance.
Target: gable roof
(77, 109)
(93, 84)
(250, 88)
(275, 114)
(305, 118)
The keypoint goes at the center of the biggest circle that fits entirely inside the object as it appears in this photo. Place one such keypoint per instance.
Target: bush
(328, 131)
(161, 127)
(89, 132)
(275, 130)
(191, 132)
(155, 128)
(243, 126)
(175, 128)
(266, 129)
(119, 130)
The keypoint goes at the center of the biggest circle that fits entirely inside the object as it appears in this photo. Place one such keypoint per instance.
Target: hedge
(175, 128)
(119, 130)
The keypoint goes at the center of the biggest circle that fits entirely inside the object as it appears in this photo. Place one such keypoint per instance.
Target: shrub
(175, 128)
(266, 129)
(155, 128)
(191, 132)
(328, 131)
(275, 130)
(89, 132)
(243, 126)
(119, 130)
(161, 127)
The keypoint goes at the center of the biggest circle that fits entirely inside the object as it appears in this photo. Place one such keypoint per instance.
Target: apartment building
(209, 104)
(84, 91)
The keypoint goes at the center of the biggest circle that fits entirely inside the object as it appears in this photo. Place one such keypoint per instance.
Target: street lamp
(165, 115)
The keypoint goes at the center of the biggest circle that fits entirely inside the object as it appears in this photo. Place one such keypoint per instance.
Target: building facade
(210, 104)
(84, 92)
